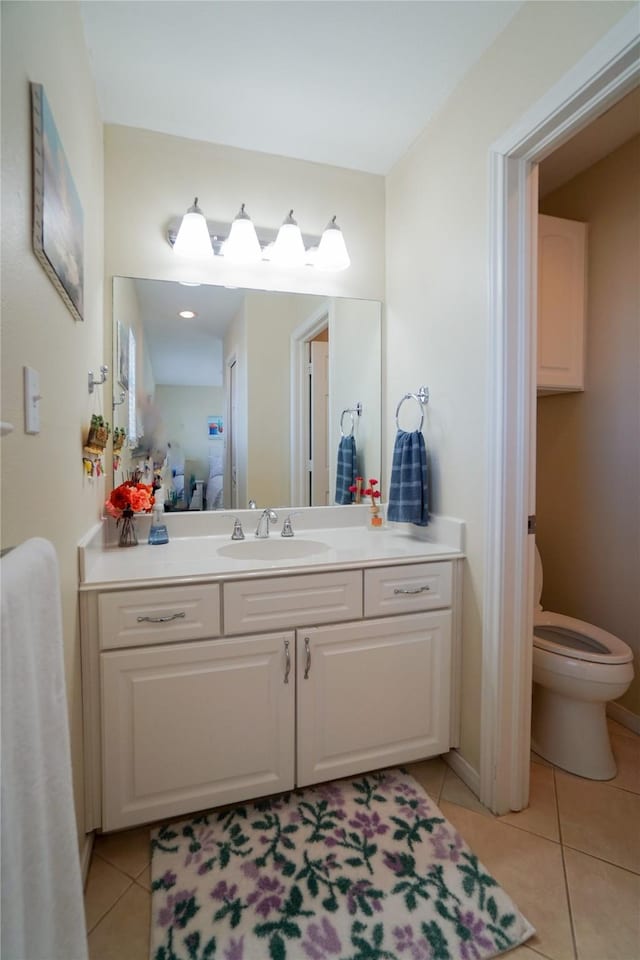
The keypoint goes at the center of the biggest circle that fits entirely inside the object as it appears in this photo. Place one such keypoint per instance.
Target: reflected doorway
(318, 386)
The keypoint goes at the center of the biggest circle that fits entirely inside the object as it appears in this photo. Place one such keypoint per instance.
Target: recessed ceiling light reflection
(187, 314)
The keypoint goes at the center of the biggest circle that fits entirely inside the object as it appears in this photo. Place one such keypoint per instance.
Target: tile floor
(570, 861)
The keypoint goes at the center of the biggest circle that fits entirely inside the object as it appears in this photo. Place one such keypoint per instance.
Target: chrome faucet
(268, 515)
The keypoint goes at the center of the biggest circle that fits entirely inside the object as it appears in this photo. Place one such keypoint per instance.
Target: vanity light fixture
(187, 314)
(288, 250)
(192, 239)
(195, 236)
(332, 252)
(242, 244)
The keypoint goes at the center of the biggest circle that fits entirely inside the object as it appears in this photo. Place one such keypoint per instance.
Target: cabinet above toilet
(562, 280)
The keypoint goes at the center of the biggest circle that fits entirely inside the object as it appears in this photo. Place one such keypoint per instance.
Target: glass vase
(128, 536)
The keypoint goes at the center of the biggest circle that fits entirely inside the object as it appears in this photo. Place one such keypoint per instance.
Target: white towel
(42, 901)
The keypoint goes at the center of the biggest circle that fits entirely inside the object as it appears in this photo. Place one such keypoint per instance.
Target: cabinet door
(372, 694)
(194, 725)
(561, 304)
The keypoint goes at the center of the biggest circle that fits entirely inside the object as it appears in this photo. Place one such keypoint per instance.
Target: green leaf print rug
(362, 869)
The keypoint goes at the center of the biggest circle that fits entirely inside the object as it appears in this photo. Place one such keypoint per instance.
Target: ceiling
(349, 83)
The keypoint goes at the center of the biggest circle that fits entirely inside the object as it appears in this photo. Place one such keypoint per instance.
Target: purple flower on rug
(168, 879)
(178, 909)
(406, 789)
(445, 846)
(369, 823)
(394, 862)
(222, 891)
(250, 870)
(267, 895)
(202, 842)
(332, 793)
(322, 943)
(339, 835)
(359, 890)
(235, 949)
(474, 927)
(416, 949)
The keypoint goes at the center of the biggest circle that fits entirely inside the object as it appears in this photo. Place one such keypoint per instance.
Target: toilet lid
(569, 637)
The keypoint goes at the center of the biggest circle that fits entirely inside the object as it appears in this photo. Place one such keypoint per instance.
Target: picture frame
(58, 219)
(123, 354)
(215, 426)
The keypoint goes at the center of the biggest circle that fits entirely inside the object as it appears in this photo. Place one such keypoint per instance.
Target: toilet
(577, 669)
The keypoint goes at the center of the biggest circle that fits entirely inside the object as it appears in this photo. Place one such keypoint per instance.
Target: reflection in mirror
(233, 395)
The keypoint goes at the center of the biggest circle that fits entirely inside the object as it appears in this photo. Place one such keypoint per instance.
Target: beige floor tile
(430, 775)
(618, 728)
(124, 933)
(599, 820)
(144, 878)
(605, 905)
(455, 791)
(626, 750)
(536, 758)
(541, 816)
(523, 952)
(128, 850)
(530, 870)
(105, 885)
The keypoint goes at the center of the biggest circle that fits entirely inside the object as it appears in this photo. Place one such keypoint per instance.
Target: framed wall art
(58, 240)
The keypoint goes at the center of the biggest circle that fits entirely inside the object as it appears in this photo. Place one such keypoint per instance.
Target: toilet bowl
(577, 669)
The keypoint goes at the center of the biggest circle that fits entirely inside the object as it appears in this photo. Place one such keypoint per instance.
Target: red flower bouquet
(129, 498)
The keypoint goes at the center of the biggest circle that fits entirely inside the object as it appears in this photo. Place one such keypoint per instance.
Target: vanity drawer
(403, 589)
(135, 618)
(272, 604)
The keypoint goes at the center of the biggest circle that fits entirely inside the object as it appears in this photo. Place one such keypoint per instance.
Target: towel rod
(421, 398)
(350, 410)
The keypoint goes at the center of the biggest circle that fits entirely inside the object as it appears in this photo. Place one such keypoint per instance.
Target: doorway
(310, 457)
(609, 71)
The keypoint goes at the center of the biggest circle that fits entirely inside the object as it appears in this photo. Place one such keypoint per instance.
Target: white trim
(468, 774)
(85, 857)
(305, 331)
(603, 76)
(623, 716)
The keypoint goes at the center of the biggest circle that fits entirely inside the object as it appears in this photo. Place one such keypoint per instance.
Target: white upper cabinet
(562, 261)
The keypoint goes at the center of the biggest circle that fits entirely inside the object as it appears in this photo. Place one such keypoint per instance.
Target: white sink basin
(272, 548)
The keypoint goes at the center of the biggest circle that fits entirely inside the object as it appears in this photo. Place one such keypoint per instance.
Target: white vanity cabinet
(206, 693)
(562, 253)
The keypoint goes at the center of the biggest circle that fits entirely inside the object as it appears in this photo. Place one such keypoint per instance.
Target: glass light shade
(193, 238)
(332, 250)
(288, 249)
(242, 244)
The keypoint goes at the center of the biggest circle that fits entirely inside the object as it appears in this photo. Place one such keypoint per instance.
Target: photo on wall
(58, 240)
(215, 426)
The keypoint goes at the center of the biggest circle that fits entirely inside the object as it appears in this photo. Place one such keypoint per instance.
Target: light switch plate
(31, 400)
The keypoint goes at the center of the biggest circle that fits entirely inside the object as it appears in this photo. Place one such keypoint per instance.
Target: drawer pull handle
(174, 616)
(307, 665)
(287, 669)
(424, 589)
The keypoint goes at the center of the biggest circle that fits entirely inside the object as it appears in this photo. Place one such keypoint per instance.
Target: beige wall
(588, 471)
(183, 420)
(44, 490)
(437, 255)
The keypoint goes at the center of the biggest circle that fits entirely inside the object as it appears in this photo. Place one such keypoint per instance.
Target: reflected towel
(408, 490)
(42, 900)
(346, 469)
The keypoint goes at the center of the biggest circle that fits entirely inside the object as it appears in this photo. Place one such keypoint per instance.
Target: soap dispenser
(158, 532)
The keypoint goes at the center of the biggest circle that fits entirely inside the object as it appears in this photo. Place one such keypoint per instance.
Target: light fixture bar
(219, 233)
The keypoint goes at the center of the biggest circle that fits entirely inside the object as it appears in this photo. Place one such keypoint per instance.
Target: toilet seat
(568, 637)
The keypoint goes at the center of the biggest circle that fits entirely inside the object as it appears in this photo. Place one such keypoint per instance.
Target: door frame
(299, 424)
(602, 77)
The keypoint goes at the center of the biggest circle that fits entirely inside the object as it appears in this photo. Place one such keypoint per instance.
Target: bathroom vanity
(218, 671)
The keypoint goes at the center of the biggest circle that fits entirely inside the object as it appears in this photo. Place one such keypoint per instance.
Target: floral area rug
(362, 869)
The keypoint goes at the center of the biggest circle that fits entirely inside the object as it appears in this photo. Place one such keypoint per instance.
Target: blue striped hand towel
(345, 469)
(408, 490)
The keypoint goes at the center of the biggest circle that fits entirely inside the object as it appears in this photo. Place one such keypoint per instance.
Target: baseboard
(623, 716)
(85, 857)
(468, 774)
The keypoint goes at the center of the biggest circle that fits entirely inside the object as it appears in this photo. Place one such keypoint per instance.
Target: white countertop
(198, 557)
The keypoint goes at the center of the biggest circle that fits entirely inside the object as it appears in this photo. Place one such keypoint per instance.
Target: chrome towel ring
(421, 398)
(353, 412)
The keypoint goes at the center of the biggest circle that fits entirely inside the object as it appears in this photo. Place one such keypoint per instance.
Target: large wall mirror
(244, 395)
